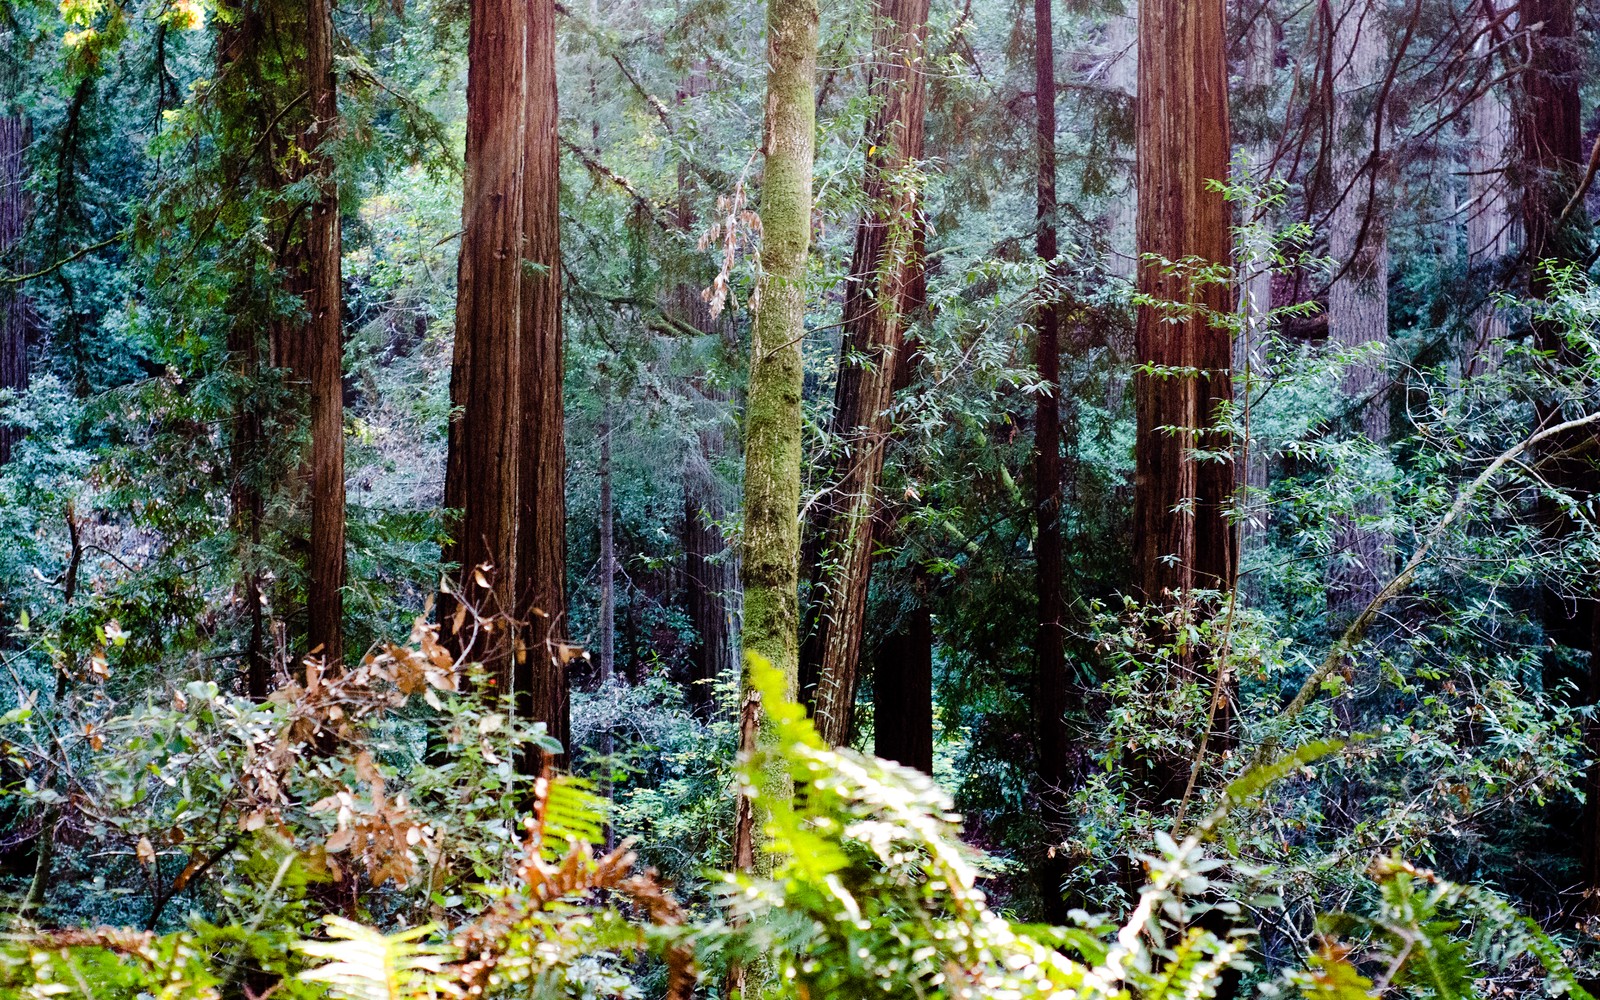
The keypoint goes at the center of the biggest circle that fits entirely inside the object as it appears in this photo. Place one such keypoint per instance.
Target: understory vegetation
(773, 499)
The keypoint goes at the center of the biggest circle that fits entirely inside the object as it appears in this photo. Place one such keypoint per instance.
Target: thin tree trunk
(709, 579)
(43, 861)
(1051, 668)
(236, 45)
(903, 688)
(1052, 671)
(1182, 533)
(608, 560)
(13, 306)
(542, 507)
(1256, 287)
(1358, 301)
(1119, 46)
(481, 475)
(1489, 222)
(878, 300)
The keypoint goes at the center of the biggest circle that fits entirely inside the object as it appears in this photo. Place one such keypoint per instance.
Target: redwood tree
(1358, 300)
(1182, 535)
(708, 571)
(486, 375)
(311, 349)
(1549, 134)
(1052, 668)
(880, 295)
(541, 547)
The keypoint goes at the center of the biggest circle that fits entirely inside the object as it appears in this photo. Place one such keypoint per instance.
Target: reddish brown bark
(1182, 535)
(884, 268)
(312, 350)
(486, 377)
(542, 507)
(1550, 129)
(1550, 139)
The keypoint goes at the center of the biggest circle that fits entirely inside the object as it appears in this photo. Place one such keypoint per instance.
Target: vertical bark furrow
(324, 350)
(878, 299)
(486, 377)
(541, 560)
(1183, 537)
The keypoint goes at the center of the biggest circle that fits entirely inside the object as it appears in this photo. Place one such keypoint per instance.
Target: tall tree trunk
(1489, 222)
(1051, 667)
(1052, 670)
(237, 41)
(486, 378)
(1358, 300)
(608, 555)
(1549, 134)
(1119, 47)
(542, 507)
(312, 351)
(1182, 533)
(1260, 53)
(903, 688)
(13, 306)
(878, 300)
(1549, 137)
(773, 420)
(709, 576)
(773, 412)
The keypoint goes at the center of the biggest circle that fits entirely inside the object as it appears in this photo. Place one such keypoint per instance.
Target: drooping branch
(1358, 627)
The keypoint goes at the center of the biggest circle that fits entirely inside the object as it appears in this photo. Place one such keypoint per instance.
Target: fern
(364, 964)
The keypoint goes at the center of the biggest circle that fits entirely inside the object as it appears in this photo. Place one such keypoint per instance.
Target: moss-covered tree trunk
(773, 414)
(771, 543)
(884, 273)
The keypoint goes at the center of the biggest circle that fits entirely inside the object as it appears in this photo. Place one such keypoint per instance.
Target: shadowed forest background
(678, 498)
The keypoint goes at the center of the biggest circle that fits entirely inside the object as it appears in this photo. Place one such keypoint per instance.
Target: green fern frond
(572, 812)
(365, 964)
